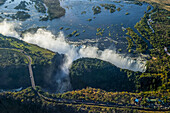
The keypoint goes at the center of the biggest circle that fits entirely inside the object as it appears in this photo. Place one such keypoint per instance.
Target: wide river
(74, 19)
(106, 47)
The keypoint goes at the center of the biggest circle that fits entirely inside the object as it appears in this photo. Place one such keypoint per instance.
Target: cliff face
(45, 75)
(89, 72)
(12, 77)
(16, 76)
(14, 72)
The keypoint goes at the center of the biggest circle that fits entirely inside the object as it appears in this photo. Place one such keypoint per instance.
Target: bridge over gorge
(31, 72)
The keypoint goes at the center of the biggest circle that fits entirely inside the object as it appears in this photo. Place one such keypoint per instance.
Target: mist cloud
(46, 39)
(8, 29)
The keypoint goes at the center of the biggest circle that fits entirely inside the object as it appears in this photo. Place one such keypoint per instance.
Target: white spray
(46, 39)
(8, 29)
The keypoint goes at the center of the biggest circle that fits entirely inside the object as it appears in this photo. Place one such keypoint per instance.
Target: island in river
(97, 85)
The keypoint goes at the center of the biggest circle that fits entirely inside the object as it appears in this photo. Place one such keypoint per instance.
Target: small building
(138, 100)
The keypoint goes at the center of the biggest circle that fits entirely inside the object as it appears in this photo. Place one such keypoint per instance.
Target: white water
(8, 29)
(46, 39)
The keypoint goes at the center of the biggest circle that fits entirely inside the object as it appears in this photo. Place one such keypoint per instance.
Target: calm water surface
(74, 20)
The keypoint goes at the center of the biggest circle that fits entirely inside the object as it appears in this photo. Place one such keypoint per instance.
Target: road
(71, 101)
(29, 65)
(93, 103)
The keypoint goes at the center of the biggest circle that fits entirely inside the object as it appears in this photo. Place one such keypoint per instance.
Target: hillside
(14, 64)
(96, 73)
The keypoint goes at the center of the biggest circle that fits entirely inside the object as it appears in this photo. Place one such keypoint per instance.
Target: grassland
(10, 57)
(39, 55)
(164, 4)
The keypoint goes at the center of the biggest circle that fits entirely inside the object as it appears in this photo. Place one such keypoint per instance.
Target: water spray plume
(47, 40)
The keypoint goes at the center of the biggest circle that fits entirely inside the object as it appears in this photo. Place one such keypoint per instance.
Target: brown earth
(164, 4)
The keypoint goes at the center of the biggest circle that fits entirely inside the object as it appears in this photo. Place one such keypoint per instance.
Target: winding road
(29, 64)
(96, 103)
(71, 101)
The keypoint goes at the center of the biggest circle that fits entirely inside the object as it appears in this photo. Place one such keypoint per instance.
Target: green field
(38, 55)
(164, 4)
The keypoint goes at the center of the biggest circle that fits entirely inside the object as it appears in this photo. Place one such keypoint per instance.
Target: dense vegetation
(152, 87)
(20, 15)
(28, 101)
(80, 101)
(158, 65)
(110, 7)
(100, 74)
(93, 73)
(14, 64)
(130, 43)
(119, 98)
(154, 36)
(11, 57)
(141, 45)
(96, 10)
(54, 9)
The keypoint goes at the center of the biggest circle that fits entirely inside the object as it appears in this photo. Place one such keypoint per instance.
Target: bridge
(29, 64)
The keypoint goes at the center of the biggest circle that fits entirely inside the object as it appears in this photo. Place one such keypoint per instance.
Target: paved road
(29, 65)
